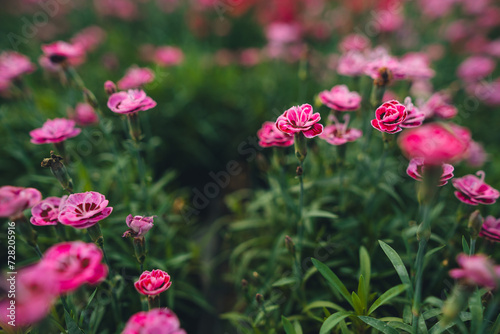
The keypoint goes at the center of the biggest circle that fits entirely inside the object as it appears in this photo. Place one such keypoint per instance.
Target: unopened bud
(290, 245)
(299, 171)
(259, 298)
(300, 146)
(244, 284)
(58, 170)
(475, 224)
(109, 87)
(89, 97)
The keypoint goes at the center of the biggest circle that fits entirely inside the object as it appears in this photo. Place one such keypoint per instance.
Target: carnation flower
(473, 190)
(158, 321)
(83, 210)
(389, 117)
(491, 229)
(129, 102)
(476, 270)
(339, 133)
(153, 283)
(136, 77)
(416, 170)
(46, 211)
(13, 200)
(300, 119)
(340, 98)
(54, 131)
(138, 225)
(269, 136)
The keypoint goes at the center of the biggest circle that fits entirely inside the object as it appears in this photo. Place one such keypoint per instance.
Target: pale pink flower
(13, 200)
(136, 77)
(389, 117)
(138, 225)
(416, 66)
(491, 229)
(283, 33)
(388, 20)
(59, 52)
(84, 115)
(473, 190)
(158, 321)
(351, 64)
(168, 56)
(123, 9)
(54, 131)
(476, 155)
(300, 119)
(493, 48)
(89, 38)
(339, 133)
(475, 68)
(46, 212)
(73, 264)
(129, 102)
(415, 116)
(434, 9)
(340, 98)
(13, 65)
(397, 70)
(421, 89)
(83, 210)
(477, 270)
(354, 42)
(153, 283)
(269, 136)
(416, 169)
(439, 105)
(475, 7)
(457, 31)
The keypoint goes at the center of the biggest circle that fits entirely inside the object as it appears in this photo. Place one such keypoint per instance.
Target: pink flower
(36, 292)
(389, 20)
(415, 116)
(89, 38)
(416, 66)
(60, 51)
(46, 211)
(416, 170)
(476, 270)
(340, 98)
(123, 9)
(85, 115)
(250, 57)
(300, 119)
(54, 131)
(129, 102)
(439, 105)
(397, 70)
(488, 92)
(158, 321)
(13, 65)
(109, 87)
(475, 68)
(491, 229)
(283, 33)
(13, 200)
(138, 225)
(436, 143)
(168, 56)
(73, 264)
(136, 77)
(354, 42)
(389, 117)
(472, 190)
(153, 283)
(338, 133)
(269, 135)
(82, 210)
(476, 155)
(351, 64)
(435, 9)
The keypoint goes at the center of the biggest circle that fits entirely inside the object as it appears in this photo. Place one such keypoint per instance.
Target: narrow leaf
(377, 324)
(397, 264)
(332, 321)
(287, 326)
(386, 296)
(334, 281)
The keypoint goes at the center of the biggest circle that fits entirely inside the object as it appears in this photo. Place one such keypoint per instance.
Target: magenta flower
(473, 191)
(300, 119)
(13, 65)
(73, 264)
(269, 135)
(136, 77)
(138, 225)
(476, 270)
(153, 283)
(351, 64)
(168, 56)
(439, 105)
(109, 87)
(389, 117)
(84, 115)
(416, 170)
(46, 211)
(475, 68)
(54, 131)
(129, 102)
(60, 52)
(436, 143)
(491, 229)
(416, 66)
(374, 67)
(158, 321)
(340, 98)
(13, 200)
(83, 210)
(354, 42)
(415, 116)
(476, 155)
(338, 133)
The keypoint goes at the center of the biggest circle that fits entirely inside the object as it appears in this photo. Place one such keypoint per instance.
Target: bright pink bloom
(351, 64)
(436, 143)
(339, 133)
(46, 211)
(168, 56)
(129, 102)
(354, 42)
(389, 117)
(13, 65)
(36, 292)
(415, 116)
(82, 210)
(138, 225)
(416, 66)
(269, 136)
(300, 119)
(476, 270)
(397, 70)
(109, 87)
(475, 68)
(439, 105)
(473, 191)
(158, 321)
(340, 98)
(60, 51)
(491, 229)
(416, 170)
(54, 131)
(85, 115)
(136, 77)
(73, 264)
(153, 283)
(89, 38)
(13, 200)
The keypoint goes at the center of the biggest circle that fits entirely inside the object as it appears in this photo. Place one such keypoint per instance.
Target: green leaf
(364, 261)
(400, 325)
(362, 292)
(465, 245)
(320, 214)
(398, 265)
(334, 281)
(298, 328)
(377, 324)
(287, 326)
(358, 305)
(322, 303)
(476, 310)
(386, 296)
(332, 321)
(72, 325)
(285, 281)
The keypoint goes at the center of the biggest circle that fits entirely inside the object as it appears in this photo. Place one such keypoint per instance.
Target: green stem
(490, 314)
(472, 246)
(301, 221)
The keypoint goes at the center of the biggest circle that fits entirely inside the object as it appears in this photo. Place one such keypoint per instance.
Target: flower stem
(301, 221)
(472, 246)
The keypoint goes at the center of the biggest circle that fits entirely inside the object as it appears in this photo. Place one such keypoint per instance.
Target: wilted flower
(138, 225)
(389, 117)
(83, 210)
(13, 200)
(300, 119)
(129, 102)
(473, 190)
(340, 98)
(416, 170)
(476, 270)
(153, 283)
(54, 131)
(339, 133)
(158, 320)
(46, 212)
(269, 136)
(491, 229)
(136, 77)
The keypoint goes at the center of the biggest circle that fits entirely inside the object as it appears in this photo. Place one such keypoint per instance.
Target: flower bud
(300, 146)
(89, 97)
(109, 87)
(290, 245)
(259, 298)
(299, 171)
(58, 170)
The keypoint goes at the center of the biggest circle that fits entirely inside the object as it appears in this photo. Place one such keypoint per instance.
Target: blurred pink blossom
(129, 102)
(475, 68)
(13, 200)
(84, 115)
(62, 52)
(473, 190)
(351, 64)
(415, 116)
(476, 270)
(439, 105)
(13, 65)
(354, 42)
(89, 38)
(168, 56)
(416, 169)
(417, 66)
(136, 77)
(491, 229)
(340, 98)
(158, 320)
(339, 133)
(269, 136)
(54, 131)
